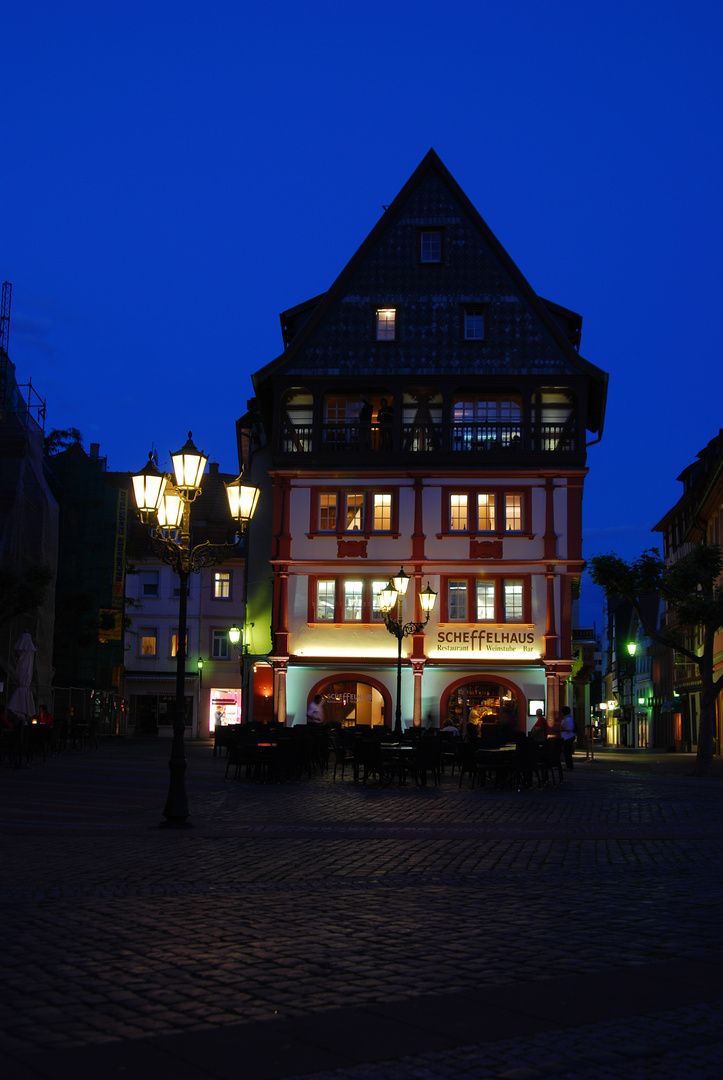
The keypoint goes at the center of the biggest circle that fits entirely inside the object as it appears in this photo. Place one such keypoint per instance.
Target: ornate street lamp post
(166, 508)
(390, 596)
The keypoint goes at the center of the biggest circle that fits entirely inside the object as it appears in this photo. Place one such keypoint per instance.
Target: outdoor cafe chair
(343, 756)
(550, 759)
(368, 759)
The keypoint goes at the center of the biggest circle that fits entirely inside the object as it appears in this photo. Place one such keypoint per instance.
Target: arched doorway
(484, 700)
(352, 700)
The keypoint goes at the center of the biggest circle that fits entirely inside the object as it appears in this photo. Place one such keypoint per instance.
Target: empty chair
(368, 759)
(549, 757)
(343, 756)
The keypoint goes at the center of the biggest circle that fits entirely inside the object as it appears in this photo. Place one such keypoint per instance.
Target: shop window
(481, 703)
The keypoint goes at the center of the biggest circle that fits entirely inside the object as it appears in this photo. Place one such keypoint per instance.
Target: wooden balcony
(423, 441)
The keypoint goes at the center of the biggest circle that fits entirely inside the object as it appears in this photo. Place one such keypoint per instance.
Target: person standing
(567, 731)
(538, 731)
(315, 711)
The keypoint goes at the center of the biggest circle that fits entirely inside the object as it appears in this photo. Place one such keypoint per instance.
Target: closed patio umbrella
(21, 701)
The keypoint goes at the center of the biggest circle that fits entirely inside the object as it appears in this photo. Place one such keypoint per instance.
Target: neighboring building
(429, 411)
(215, 603)
(88, 640)
(635, 706)
(28, 518)
(696, 518)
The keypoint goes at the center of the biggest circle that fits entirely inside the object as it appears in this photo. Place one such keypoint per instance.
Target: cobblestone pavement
(323, 929)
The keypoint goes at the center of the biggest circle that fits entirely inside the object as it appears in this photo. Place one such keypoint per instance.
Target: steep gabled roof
(558, 326)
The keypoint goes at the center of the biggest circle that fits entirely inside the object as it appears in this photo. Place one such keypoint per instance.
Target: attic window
(473, 322)
(430, 246)
(386, 324)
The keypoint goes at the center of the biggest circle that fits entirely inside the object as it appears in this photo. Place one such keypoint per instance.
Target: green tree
(693, 593)
(22, 593)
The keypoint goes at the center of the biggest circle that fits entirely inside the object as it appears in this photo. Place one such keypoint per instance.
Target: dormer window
(386, 324)
(430, 246)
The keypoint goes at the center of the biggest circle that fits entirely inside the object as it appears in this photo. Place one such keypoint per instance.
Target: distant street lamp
(393, 594)
(166, 508)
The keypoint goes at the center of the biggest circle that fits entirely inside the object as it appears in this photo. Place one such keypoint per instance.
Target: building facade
(431, 412)
(213, 693)
(696, 518)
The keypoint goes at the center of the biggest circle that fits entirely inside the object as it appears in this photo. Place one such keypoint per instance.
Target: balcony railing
(345, 436)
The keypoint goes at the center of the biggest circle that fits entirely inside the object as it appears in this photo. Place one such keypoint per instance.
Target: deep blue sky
(177, 173)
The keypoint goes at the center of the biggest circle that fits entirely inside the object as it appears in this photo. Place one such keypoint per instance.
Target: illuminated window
(222, 585)
(174, 644)
(382, 513)
(485, 511)
(513, 512)
(473, 322)
(327, 511)
(353, 601)
(457, 601)
(386, 324)
(377, 587)
(149, 641)
(513, 601)
(219, 645)
(325, 600)
(354, 513)
(485, 601)
(430, 246)
(458, 520)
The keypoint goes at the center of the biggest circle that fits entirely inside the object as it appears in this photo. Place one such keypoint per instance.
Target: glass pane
(325, 596)
(386, 324)
(352, 601)
(354, 512)
(458, 513)
(382, 513)
(377, 587)
(457, 601)
(485, 601)
(513, 513)
(327, 512)
(486, 511)
(513, 601)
